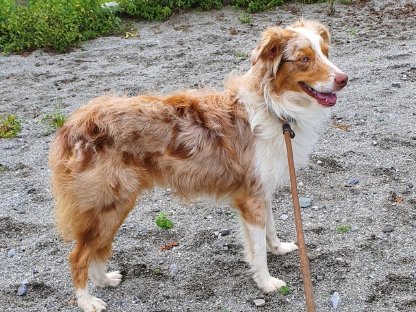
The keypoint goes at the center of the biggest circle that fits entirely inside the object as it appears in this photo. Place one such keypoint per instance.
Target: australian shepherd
(226, 144)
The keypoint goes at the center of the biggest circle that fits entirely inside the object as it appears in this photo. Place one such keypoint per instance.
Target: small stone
(173, 269)
(396, 84)
(409, 185)
(388, 228)
(351, 182)
(335, 300)
(284, 217)
(225, 232)
(11, 253)
(22, 290)
(259, 302)
(305, 202)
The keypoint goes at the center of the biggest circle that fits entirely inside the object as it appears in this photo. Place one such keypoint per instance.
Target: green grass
(54, 120)
(163, 222)
(10, 126)
(284, 290)
(57, 25)
(343, 228)
(162, 9)
(245, 18)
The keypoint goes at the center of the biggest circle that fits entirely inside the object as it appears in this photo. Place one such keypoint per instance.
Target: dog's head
(295, 59)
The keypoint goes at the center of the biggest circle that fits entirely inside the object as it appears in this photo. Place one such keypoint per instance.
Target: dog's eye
(305, 59)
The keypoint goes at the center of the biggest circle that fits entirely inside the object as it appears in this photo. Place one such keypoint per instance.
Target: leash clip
(286, 127)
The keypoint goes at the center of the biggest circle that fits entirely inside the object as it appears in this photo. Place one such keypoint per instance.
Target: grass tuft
(163, 222)
(10, 126)
(343, 228)
(284, 290)
(54, 120)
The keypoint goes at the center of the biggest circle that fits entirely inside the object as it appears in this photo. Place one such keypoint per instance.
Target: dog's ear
(270, 48)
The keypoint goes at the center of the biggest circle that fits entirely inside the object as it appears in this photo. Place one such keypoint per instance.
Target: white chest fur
(271, 155)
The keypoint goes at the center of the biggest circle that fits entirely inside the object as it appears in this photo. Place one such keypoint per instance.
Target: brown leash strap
(303, 254)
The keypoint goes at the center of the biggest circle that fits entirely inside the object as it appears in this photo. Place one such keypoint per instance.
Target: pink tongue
(326, 98)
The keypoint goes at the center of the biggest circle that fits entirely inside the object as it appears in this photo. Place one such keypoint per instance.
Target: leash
(303, 254)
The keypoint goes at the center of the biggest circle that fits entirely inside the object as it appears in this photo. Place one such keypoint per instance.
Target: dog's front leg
(261, 274)
(253, 211)
(274, 244)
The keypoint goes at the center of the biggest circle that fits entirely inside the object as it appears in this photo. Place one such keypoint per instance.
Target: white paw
(270, 284)
(283, 248)
(91, 304)
(113, 279)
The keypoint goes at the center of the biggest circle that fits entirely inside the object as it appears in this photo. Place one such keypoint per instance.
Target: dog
(226, 144)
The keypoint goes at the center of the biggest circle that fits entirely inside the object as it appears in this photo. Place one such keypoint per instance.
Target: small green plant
(55, 120)
(241, 54)
(345, 2)
(10, 126)
(343, 228)
(2, 168)
(352, 31)
(284, 290)
(371, 59)
(245, 18)
(163, 222)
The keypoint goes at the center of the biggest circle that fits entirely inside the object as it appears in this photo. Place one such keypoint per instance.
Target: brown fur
(114, 148)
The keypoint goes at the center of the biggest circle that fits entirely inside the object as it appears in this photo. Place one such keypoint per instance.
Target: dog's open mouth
(325, 99)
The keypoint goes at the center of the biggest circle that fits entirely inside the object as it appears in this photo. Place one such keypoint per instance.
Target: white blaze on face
(315, 41)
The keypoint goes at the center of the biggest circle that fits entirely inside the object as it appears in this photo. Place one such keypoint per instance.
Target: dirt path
(371, 137)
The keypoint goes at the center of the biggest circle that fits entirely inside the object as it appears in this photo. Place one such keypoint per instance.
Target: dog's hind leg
(253, 211)
(274, 244)
(93, 249)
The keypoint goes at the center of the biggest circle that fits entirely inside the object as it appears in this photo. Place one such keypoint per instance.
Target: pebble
(388, 228)
(305, 202)
(284, 217)
(11, 253)
(173, 269)
(351, 182)
(22, 290)
(259, 302)
(335, 300)
(396, 84)
(225, 232)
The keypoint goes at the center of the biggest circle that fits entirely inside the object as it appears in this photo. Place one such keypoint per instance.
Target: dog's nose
(341, 80)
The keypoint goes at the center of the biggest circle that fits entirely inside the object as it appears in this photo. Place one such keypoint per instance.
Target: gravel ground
(361, 173)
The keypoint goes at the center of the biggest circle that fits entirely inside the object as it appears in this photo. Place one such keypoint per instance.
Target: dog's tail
(60, 154)
(71, 153)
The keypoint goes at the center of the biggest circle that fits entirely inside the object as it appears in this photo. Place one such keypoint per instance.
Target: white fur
(98, 275)
(271, 155)
(89, 303)
(262, 277)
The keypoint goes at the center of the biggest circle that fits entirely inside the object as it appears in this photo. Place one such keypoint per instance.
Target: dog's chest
(271, 157)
